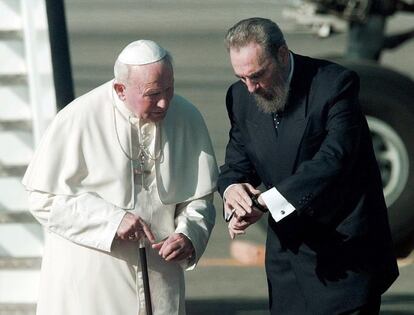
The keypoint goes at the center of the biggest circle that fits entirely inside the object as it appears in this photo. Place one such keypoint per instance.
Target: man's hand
(237, 199)
(238, 224)
(175, 248)
(261, 201)
(132, 228)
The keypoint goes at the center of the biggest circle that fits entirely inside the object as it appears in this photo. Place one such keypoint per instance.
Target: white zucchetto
(141, 52)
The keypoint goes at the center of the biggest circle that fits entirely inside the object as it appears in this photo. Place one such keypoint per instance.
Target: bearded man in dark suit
(297, 128)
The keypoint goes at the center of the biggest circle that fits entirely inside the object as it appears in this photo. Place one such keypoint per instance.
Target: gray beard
(273, 103)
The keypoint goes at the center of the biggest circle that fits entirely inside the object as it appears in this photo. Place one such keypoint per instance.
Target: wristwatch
(257, 205)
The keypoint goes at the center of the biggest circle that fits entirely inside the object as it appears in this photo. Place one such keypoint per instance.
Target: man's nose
(251, 85)
(163, 102)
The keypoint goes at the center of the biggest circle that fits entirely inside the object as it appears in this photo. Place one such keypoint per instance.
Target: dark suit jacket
(336, 247)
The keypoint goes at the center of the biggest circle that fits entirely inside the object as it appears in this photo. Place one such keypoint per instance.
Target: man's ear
(283, 55)
(120, 91)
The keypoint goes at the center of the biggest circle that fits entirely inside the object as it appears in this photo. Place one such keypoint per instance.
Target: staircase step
(16, 217)
(13, 197)
(22, 144)
(10, 15)
(21, 240)
(18, 309)
(15, 103)
(25, 284)
(24, 263)
(13, 201)
(15, 171)
(21, 124)
(13, 51)
(13, 79)
(6, 34)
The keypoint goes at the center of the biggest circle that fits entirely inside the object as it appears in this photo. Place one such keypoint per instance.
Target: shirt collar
(291, 65)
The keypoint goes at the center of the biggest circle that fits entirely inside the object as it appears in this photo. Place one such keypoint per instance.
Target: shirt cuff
(227, 215)
(278, 206)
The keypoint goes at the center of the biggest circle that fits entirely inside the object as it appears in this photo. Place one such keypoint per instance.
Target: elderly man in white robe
(129, 161)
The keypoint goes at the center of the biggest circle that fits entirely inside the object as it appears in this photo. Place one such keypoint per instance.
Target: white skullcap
(141, 52)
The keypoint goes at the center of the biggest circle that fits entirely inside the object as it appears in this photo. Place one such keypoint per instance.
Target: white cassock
(81, 183)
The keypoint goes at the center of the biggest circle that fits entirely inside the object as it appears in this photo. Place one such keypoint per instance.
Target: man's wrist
(257, 205)
(225, 191)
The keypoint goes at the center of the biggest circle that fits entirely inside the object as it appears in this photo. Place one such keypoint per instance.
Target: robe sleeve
(195, 219)
(84, 219)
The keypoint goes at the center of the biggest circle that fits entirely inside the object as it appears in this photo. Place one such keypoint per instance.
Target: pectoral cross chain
(139, 168)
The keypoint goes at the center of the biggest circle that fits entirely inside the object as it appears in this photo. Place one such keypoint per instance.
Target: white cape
(80, 152)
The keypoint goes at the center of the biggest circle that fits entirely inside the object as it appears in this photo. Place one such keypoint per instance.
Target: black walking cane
(145, 279)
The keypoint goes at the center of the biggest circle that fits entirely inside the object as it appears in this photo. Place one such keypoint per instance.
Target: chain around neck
(145, 151)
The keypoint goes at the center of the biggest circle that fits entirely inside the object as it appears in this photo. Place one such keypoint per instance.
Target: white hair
(122, 71)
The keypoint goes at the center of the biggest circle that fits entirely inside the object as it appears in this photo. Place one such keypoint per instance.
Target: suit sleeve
(237, 167)
(317, 179)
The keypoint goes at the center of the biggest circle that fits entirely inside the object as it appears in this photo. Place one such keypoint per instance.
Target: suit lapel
(293, 122)
(263, 135)
(290, 135)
